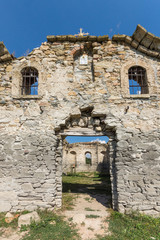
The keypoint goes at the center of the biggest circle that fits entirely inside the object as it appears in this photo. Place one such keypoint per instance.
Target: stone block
(139, 196)
(147, 40)
(5, 206)
(40, 175)
(118, 37)
(27, 187)
(26, 219)
(134, 44)
(128, 39)
(139, 34)
(122, 144)
(151, 155)
(8, 196)
(142, 49)
(155, 44)
(9, 217)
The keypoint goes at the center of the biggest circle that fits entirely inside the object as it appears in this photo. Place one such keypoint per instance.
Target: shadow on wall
(104, 166)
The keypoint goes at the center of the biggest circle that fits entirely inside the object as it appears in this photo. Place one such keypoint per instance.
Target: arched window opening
(137, 80)
(88, 157)
(29, 81)
(73, 158)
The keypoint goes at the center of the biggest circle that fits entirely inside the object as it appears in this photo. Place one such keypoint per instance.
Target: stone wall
(29, 172)
(80, 99)
(74, 157)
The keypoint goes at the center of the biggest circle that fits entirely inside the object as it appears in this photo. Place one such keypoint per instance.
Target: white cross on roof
(81, 33)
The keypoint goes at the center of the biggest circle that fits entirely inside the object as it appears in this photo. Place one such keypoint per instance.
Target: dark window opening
(29, 81)
(137, 80)
(88, 157)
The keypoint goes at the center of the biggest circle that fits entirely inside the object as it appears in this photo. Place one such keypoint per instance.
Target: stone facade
(74, 157)
(79, 95)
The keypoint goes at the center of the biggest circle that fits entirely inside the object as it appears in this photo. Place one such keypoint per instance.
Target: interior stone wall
(75, 99)
(74, 158)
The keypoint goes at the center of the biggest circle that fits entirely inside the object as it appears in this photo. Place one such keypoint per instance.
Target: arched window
(88, 157)
(137, 80)
(29, 81)
(72, 159)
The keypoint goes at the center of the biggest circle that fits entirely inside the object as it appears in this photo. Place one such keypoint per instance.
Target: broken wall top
(85, 144)
(4, 54)
(141, 40)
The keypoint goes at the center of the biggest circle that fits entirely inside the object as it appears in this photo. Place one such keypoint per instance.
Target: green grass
(51, 227)
(67, 201)
(132, 227)
(90, 182)
(88, 199)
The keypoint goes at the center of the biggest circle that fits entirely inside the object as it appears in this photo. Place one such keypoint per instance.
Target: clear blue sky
(24, 24)
(73, 139)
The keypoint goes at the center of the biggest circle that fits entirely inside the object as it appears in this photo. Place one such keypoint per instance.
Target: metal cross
(81, 33)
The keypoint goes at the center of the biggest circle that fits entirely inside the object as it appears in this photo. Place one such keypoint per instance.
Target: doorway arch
(87, 124)
(88, 158)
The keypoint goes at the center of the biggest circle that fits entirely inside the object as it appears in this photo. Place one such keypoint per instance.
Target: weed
(87, 199)
(24, 228)
(25, 212)
(70, 219)
(67, 201)
(4, 224)
(90, 228)
(92, 216)
(89, 209)
(82, 223)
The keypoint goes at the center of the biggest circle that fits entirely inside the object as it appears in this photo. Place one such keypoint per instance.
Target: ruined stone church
(85, 157)
(81, 85)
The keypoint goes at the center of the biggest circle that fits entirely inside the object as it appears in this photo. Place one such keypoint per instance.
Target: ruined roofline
(141, 40)
(72, 38)
(86, 143)
(4, 53)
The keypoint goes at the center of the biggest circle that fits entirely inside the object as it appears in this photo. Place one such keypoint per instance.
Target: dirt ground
(10, 234)
(89, 214)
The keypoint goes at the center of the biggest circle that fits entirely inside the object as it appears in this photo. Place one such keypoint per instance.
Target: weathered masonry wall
(83, 89)
(74, 157)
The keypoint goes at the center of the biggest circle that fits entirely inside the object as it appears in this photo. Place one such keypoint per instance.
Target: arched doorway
(88, 158)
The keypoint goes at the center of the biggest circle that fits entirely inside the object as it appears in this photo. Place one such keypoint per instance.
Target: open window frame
(150, 78)
(17, 80)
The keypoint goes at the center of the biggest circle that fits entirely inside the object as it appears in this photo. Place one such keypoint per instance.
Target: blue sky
(72, 139)
(24, 24)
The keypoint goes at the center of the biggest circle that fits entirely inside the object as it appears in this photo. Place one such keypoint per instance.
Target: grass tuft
(92, 216)
(89, 209)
